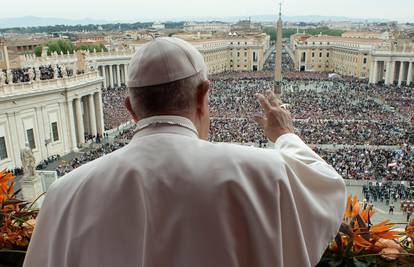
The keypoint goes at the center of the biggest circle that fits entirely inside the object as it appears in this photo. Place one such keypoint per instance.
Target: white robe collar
(166, 124)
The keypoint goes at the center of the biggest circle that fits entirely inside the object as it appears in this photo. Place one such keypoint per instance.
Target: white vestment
(171, 199)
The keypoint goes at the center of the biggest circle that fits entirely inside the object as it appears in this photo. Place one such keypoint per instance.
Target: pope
(171, 198)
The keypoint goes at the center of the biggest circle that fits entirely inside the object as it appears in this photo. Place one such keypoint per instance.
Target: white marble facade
(52, 116)
(393, 69)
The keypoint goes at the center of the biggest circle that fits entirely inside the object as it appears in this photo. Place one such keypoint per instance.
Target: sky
(139, 10)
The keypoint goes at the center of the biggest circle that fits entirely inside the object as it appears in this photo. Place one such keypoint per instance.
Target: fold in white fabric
(171, 199)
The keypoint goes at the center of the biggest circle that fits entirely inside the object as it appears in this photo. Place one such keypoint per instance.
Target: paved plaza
(380, 207)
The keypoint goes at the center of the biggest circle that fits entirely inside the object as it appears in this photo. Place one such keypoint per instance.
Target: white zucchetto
(164, 60)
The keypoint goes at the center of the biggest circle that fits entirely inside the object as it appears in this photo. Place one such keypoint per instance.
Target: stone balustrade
(68, 59)
(113, 65)
(7, 90)
(110, 54)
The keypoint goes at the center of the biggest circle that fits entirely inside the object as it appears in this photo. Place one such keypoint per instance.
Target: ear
(202, 98)
(129, 108)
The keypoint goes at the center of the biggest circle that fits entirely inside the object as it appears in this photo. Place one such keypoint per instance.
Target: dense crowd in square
(365, 131)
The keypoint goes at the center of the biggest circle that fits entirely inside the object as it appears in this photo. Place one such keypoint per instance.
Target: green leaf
(338, 242)
(336, 262)
(345, 229)
(359, 263)
(348, 248)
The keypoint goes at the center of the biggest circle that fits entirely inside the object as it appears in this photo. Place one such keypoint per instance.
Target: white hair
(176, 96)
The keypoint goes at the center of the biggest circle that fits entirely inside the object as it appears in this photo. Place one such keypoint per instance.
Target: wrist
(279, 134)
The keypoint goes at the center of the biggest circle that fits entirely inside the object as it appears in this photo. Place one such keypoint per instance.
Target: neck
(188, 115)
(169, 118)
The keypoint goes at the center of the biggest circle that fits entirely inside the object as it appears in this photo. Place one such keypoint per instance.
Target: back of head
(163, 77)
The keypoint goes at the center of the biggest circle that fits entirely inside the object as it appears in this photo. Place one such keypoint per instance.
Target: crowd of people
(113, 100)
(364, 131)
(307, 99)
(371, 163)
(387, 192)
(236, 130)
(103, 149)
(352, 132)
(44, 163)
(125, 134)
(46, 72)
(287, 62)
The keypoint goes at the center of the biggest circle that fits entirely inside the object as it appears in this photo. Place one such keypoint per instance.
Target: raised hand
(276, 120)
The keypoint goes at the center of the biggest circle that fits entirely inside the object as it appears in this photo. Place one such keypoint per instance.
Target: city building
(393, 64)
(374, 56)
(158, 25)
(246, 26)
(221, 53)
(206, 27)
(12, 49)
(51, 116)
(54, 116)
(90, 38)
(366, 35)
(233, 53)
(4, 55)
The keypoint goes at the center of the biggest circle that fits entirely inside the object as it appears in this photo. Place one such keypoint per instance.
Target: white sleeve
(318, 194)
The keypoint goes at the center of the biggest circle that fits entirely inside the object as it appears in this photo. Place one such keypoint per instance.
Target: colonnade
(392, 71)
(86, 117)
(113, 74)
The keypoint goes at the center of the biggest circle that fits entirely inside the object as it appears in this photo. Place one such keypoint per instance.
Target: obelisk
(278, 56)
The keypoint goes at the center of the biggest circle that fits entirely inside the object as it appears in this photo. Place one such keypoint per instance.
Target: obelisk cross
(278, 55)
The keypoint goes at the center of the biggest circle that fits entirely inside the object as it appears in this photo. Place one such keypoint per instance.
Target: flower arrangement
(361, 243)
(17, 220)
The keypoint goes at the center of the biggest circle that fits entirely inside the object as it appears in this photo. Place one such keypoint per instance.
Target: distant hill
(267, 18)
(32, 21)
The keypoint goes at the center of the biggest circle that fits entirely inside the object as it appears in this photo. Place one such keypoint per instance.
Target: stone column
(92, 116)
(392, 72)
(118, 74)
(122, 71)
(79, 122)
(388, 73)
(14, 140)
(111, 76)
(410, 73)
(71, 115)
(381, 67)
(126, 72)
(85, 115)
(6, 56)
(371, 72)
(401, 76)
(375, 78)
(41, 133)
(64, 113)
(104, 76)
(99, 113)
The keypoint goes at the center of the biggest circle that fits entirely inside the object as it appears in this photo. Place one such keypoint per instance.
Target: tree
(38, 51)
(56, 46)
(65, 46)
(287, 32)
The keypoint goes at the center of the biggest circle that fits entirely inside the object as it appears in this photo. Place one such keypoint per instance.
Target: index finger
(264, 103)
(273, 99)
